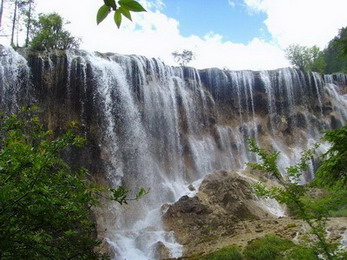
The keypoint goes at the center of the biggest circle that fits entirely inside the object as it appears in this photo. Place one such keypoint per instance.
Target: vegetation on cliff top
(49, 33)
(330, 60)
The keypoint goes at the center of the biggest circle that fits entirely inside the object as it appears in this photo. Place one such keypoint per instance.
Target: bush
(267, 248)
(342, 212)
(298, 252)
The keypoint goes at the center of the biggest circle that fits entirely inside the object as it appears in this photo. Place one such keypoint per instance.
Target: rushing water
(164, 128)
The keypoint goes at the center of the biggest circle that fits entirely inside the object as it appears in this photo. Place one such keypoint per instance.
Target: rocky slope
(226, 212)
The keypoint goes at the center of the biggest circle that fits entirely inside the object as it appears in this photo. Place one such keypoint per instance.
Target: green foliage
(314, 210)
(305, 58)
(226, 253)
(336, 53)
(299, 252)
(333, 169)
(340, 212)
(184, 57)
(270, 247)
(44, 205)
(332, 173)
(273, 247)
(267, 248)
(332, 59)
(50, 34)
(123, 8)
(317, 63)
(102, 13)
(296, 196)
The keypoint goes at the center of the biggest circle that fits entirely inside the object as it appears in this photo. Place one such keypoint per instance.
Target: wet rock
(161, 251)
(224, 199)
(191, 187)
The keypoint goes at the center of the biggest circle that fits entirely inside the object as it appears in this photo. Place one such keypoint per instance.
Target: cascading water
(164, 128)
(14, 79)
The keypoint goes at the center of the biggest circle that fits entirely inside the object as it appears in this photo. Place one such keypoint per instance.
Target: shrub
(267, 248)
(298, 252)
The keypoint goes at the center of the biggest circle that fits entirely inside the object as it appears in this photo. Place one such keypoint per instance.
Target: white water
(14, 79)
(157, 130)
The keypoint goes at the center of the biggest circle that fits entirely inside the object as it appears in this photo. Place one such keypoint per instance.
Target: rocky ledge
(226, 212)
(223, 202)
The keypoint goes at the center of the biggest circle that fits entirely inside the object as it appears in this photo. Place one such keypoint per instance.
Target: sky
(232, 34)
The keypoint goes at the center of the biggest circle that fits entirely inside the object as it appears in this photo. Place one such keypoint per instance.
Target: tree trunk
(1, 11)
(28, 25)
(14, 22)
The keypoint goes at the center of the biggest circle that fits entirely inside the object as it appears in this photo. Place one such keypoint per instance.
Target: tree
(44, 204)
(341, 41)
(317, 63)
(1, 11)
(14, 21)
(307, 59)
(336, 53)
(50, 34)
(19, 7)
(29, 18)
(123, 8)
(184, 57)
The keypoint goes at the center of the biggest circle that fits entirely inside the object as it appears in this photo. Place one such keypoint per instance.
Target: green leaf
(118, 18)
(142, 192)
(132, 5)
(102, 13)
(125, 12)
(111, 3)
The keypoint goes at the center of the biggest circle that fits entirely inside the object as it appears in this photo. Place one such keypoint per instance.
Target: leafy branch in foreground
(295, 195)
(123, 8)
(44, 204)
(333, 169)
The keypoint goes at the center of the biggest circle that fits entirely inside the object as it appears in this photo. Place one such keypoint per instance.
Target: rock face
(224, 200)
(226, 212)
(161, 127)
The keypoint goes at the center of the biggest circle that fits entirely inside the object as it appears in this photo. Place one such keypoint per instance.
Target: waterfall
(14, 80)
(164, 128)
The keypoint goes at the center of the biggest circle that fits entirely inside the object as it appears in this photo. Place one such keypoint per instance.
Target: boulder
(224, 200)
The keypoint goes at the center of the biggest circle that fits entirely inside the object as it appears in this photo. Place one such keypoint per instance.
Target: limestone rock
(224, 199)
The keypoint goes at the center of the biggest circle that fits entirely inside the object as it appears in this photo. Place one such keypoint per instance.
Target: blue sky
(232, 19)
(233, 34)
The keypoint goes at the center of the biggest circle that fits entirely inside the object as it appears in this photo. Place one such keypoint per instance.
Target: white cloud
(231, 3)
(256, 5)
(306, 22)
(153, 34)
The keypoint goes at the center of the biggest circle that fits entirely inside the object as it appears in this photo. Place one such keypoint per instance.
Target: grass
(267, 248)
(270, 247)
